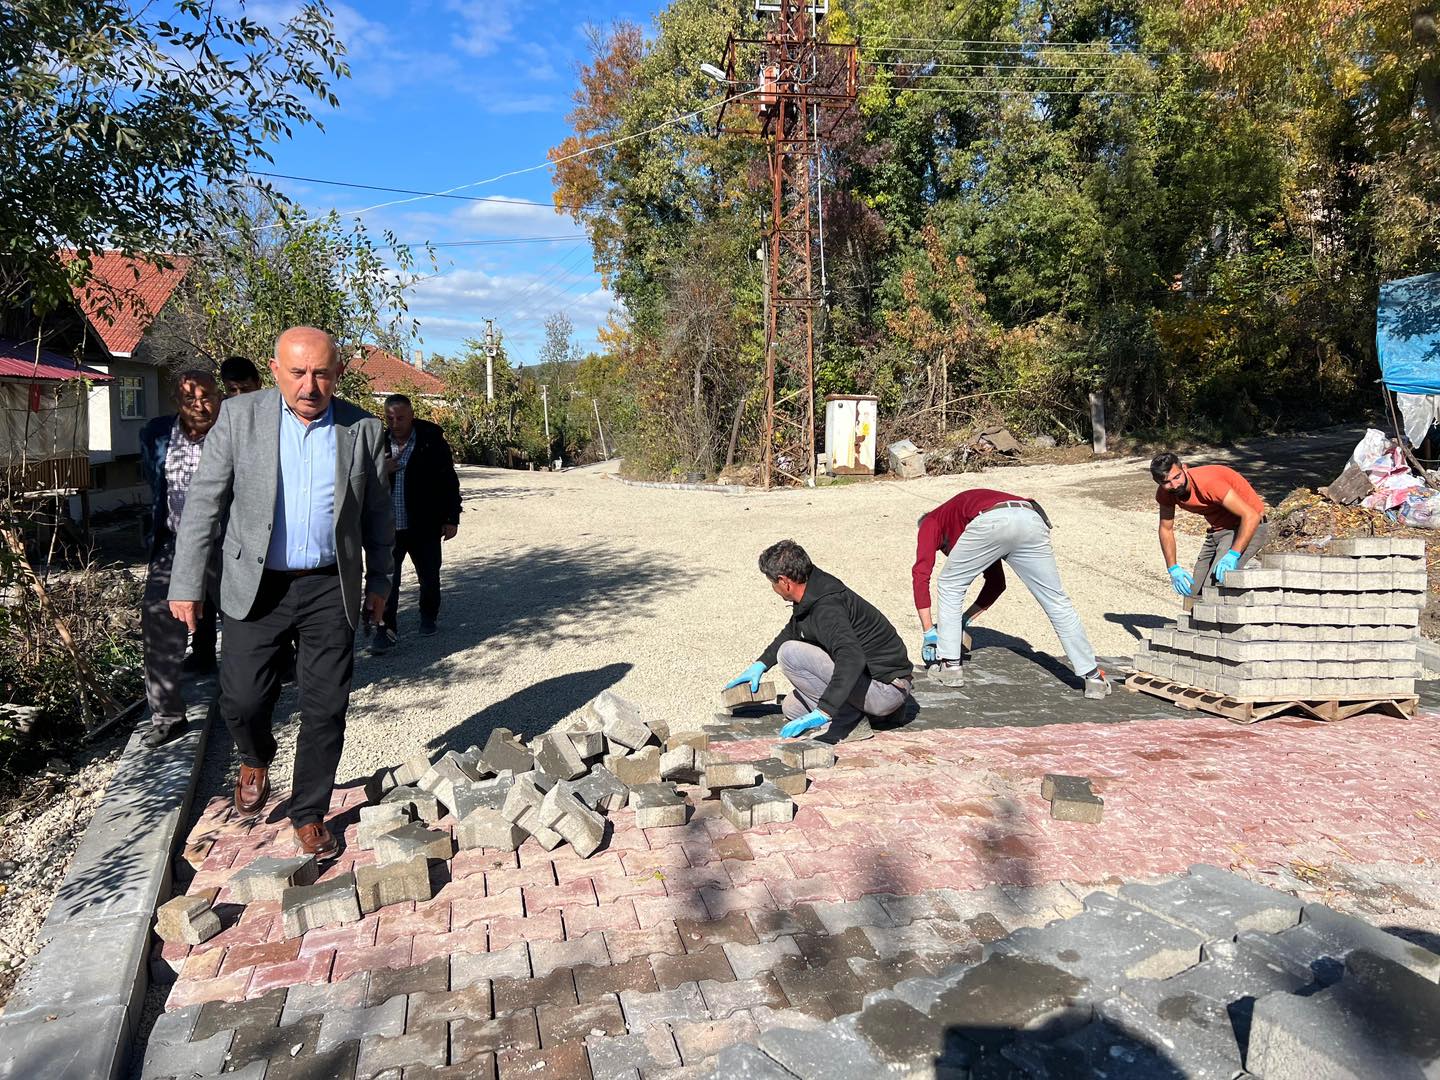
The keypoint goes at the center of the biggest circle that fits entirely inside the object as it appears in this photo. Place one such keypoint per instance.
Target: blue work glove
(811, 720)
(1229, 561)
(752, 675)
(1182, 580)
(931, 642)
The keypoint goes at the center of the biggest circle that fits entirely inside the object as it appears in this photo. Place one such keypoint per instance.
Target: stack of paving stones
(1340, 626)
(1207, 976)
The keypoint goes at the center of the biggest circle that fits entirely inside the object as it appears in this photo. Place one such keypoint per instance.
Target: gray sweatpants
(810, 669)
(1216, 544)
(1021, 538)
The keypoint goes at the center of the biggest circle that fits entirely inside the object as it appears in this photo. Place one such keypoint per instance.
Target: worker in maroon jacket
(977, 530)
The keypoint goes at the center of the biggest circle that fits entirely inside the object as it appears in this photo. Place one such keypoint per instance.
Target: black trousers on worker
(423, 547)
(310, 608)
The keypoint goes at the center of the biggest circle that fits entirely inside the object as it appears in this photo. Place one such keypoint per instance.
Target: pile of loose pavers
(1209, 976)
(555, 791)
(1339, 626)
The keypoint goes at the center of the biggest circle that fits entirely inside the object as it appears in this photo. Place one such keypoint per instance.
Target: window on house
(131, 389)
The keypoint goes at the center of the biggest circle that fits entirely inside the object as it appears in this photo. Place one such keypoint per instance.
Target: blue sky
(443, 93)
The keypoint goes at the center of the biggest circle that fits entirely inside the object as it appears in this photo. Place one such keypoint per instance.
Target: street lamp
(714, 73)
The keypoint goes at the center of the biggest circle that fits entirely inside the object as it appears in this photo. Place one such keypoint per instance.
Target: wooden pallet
(1252, 712)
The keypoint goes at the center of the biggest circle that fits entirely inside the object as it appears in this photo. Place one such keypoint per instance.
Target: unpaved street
(560, 585)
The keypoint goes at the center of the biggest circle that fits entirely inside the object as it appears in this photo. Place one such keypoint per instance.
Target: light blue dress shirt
(304, 533)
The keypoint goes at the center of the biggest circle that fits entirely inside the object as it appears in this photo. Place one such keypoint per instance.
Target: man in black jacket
(844, 659)
(425, 493)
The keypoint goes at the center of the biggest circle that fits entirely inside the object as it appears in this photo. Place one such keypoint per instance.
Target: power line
(1012, 44)
(487, 243)
(983, 65)
(414, 191)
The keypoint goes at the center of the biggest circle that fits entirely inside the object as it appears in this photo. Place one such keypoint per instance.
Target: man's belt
(1020, 504)
(328, 570)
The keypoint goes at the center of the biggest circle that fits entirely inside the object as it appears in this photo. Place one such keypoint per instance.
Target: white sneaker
(950, 673)
(1098, 687)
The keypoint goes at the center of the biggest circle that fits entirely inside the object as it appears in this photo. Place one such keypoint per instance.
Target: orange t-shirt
(1209, 484)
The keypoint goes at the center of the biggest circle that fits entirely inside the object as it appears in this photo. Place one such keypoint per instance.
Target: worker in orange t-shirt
(1229, 505)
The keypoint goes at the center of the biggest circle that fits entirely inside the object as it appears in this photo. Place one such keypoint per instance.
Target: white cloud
(482, 26)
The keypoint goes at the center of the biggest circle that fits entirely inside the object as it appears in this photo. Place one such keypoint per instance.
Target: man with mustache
(301, 476)
(1235, 515)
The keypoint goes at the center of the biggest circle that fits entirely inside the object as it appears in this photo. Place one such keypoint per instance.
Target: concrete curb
(1428, 653)
(723, 489)
(76, 1008)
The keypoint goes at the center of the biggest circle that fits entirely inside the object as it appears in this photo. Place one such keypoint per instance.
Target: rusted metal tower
(802, 88)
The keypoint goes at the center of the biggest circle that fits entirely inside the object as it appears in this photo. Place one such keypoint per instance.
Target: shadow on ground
(1135, 623)
(531, 711)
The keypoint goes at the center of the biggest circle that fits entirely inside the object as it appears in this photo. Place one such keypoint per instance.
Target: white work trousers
(1020, 537)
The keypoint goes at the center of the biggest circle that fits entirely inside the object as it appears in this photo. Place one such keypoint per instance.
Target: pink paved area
(901, 814)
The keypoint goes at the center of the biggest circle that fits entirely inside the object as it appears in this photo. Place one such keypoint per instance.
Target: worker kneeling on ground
(1234, 513)
(844, 659)
(977, 530)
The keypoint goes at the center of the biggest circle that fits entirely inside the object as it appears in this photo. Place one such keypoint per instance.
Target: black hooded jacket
(851, 630)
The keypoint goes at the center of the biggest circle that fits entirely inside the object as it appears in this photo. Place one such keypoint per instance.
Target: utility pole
(803, 88)
(545, 406)
(601, 426)
(492, 346)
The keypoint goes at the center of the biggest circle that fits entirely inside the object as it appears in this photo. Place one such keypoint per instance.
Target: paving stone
(174, 1026)
(748, 1063)
(602, 790)
(826, 1054)
(696, 934)
(467, 969)
(658, 806)
(1067, 786)
(626, 1056)
(435, 1006)
(619, 719)
(557, 756)
(311, 907)
(825, 990)
(787, 778)
(801, 919)
(921, 938)
(805, 754)
(563, 1061)
(596, 980)
(442, 778)
(1214, 907)
(764, 804)
(267, 878)
(186, 920)
(899, 1034)
(428, 1045)
(840, 916)
(480, 1067)
(1358, 934)
(697, 740)
(724, 998)
(737, 697)
(679, 764)
(1198, 1033)
(666, 1006)
(547, 956)
(986, 928)
(422, 804)
(486, 795)
(471, 1039)
(433, 976)
(589, 744)
(1095, 1050)
(318, 998)
(556, 988)
(562, 1023)
(1003, 995)
(1107, 944)
(701, 1040)
(920, 992)
(414, 839)
(338, 1061)
(503, 752)
(204, 1057)
(488, 828)
(1077, 805)
(885, 973)
(414, 768)
(392, 883)
(1381, 1020)
(640, 767)
(260, 1012)
(820, 949)
(719, 773)
(346, 1025)
(522, 806)
(258, 1044)
(377, 820)
(708, 963)
(1317, 948)
(747, 961)
(562, 811)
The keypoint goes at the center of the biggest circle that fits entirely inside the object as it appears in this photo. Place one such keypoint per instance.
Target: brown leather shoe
(252, 789)
(315, 839)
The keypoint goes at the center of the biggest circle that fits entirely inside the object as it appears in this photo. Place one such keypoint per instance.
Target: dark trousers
(165, 636)
(256, 649)
(423, 547)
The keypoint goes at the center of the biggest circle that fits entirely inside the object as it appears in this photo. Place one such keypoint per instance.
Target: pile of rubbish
(1379, 477)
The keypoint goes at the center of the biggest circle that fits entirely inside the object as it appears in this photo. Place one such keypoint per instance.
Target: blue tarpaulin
(1407, 334)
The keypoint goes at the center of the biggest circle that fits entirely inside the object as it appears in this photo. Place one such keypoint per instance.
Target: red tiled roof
(125, 297)
(390, 375)
(17, 361)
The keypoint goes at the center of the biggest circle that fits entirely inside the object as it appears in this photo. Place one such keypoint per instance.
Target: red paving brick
(904, 813)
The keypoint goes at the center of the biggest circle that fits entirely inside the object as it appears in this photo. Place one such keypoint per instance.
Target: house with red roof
(107, 338)
(387, 374)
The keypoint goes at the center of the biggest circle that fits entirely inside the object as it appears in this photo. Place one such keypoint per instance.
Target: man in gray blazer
(298, 477)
